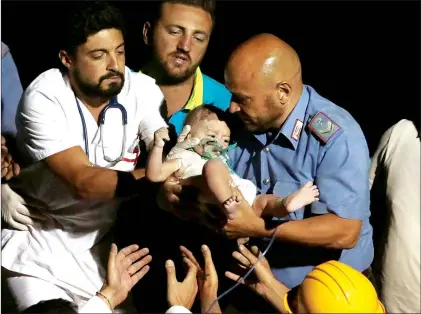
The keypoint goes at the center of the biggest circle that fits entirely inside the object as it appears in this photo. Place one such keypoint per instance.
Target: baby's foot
(307, 194)
(230, 206)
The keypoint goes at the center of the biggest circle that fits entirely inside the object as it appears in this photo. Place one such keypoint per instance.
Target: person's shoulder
(4, 49)
(50, 84)
(216, 92)
(401, 133)
(328, 121)
(140, 82)
(405, 127)
(214, 85)
(212, 82)
(144, 88)
(139, 76)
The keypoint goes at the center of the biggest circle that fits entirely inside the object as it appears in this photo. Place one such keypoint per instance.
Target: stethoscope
(112, 104)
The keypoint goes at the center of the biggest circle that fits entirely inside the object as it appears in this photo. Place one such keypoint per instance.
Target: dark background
(364, 56)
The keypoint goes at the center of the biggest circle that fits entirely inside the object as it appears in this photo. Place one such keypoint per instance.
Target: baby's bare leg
(281, 206)
(219, 182)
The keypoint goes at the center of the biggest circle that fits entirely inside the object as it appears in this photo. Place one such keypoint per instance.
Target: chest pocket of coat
(285, 188)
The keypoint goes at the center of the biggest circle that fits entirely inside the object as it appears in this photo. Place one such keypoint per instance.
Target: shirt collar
(196, 97)
(294, 124)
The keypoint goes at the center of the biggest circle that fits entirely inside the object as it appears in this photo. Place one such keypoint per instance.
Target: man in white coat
(78, 134)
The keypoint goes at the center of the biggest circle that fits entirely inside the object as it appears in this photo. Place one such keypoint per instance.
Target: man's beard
(95, 90)
(166, 77)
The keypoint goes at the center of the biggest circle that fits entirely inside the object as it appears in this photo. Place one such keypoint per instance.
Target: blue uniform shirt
(11, 92)
(338, 162)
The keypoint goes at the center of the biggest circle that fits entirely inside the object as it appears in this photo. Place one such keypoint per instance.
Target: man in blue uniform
(11, 92)
(294, 136)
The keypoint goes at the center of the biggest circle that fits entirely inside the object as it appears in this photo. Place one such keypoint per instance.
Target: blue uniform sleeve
(342, 178)
(11, 92)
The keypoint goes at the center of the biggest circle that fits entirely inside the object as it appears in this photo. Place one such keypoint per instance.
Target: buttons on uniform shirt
(266, 181)
(266, 149)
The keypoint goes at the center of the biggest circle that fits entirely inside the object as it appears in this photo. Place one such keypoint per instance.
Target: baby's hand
(160, 137)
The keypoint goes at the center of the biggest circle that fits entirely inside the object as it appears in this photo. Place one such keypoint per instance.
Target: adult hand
(245, 224)
(263, 278)
(173, 197)
(181, 293)
(124, 270)
(207, 279)
(15, 212)
(9, 168)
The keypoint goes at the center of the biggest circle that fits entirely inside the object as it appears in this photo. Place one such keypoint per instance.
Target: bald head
(267, 58)
(264, 76)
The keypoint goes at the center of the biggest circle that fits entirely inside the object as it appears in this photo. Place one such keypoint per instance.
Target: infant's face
(211, 128)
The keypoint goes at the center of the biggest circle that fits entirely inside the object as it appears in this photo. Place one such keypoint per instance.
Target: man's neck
(176, 94)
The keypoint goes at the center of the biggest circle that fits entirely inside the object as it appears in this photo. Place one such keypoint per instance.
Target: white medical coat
(67, 249)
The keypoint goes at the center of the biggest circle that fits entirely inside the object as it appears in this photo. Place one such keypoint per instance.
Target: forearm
(100, 183)
(328, 231)
(206, 303)
(158, 170)
(154, 164)
(275, 295)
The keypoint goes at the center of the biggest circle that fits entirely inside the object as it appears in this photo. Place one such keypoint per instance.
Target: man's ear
(284, 92)
(146, 32)
(65, 59)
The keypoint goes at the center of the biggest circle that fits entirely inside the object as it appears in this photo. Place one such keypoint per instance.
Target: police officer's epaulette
(323, 127)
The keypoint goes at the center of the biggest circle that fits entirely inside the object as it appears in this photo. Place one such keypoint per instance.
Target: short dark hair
(206, 5)
(52, 306)
(87, 18)
(204, 111)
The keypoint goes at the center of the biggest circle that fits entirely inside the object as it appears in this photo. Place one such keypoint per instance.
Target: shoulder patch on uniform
(323, 127)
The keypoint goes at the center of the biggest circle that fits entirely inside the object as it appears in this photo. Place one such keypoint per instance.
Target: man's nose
(184, 43)
(112, 63)
(234, 107)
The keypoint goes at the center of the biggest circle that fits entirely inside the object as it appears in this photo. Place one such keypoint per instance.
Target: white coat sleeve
(42, 126)
(177, 309)
(153, 119)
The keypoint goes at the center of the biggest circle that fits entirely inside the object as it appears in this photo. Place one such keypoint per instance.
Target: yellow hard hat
(334, 287)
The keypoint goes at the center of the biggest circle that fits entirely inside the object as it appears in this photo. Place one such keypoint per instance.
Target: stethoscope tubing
(113, 104)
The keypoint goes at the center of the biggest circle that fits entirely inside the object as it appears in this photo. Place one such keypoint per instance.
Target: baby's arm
(276, 206)
(158, 170)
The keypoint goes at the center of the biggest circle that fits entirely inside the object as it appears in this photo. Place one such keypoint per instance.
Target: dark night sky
(364, 56)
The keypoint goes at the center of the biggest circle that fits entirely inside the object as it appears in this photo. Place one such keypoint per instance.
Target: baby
(209, 133)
